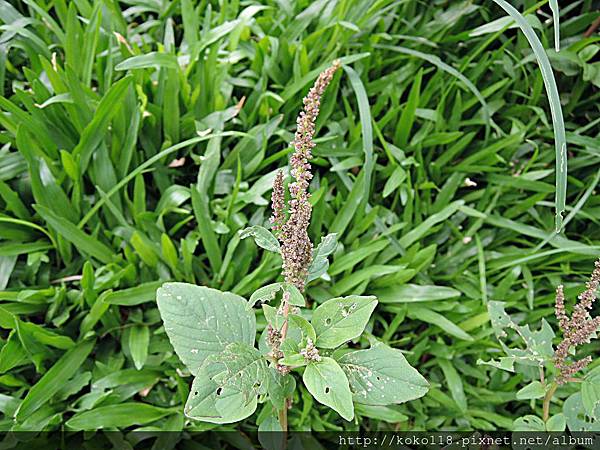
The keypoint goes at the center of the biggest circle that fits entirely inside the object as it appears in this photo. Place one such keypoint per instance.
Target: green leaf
(320, 263)
(71, 233)
(280, 387)
(410, 293)
(576, 416)
(152, 59)
(328, 384)
(145, 292)
(201, 321)
(384, 413)
(12, 354)
(227, 385)
(381, 375)
(264, 294)
(407, 117)
(556, 423)
(263, 238)
(455, 384)
(342, 319)
(118, 416)
(394, 181)
(296, 297)
(535, 389)
(434, 318)
(267, 293)
(95, 131)
(139, 339)
(299, 329)
(200, 204)
(560, 140)
(590, 393)
(54, 379)
(529, 423)
(538, 344)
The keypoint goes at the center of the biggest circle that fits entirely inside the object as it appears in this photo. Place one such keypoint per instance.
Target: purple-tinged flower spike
(278, 203)
(577, 330)
(296, 247)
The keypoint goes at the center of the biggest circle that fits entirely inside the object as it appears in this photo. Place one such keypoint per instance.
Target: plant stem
(283, 420)
(283, 417)
(547, 398)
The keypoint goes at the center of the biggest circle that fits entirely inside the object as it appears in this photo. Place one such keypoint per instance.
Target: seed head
(578, 329)
(296, 247)
(278, 203)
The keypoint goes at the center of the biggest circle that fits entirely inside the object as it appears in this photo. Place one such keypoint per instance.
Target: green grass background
(435, 165)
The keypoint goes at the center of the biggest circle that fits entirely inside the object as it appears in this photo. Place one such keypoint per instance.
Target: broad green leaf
(228, 406)
(535, 389)
(576, 416)
(296, 298)
(264, 294)
(263, 238)
(556, 423)
(529, 423)
(239, 367)
(328, 384)
(201, 321)
(381, 375)
(304, 329)
(227, 385)
(54, 379)
(538, 344)
(342, 319)
(118, 416)
(320, 263)
(270, 433)
(590, 393)
(267, 293)
(279, 387)
(139, 339)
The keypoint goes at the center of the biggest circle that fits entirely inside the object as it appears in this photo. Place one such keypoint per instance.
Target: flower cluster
(296, 247)
(578, 329)
(310, 352)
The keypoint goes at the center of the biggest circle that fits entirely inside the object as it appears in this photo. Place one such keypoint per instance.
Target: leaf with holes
(381, 375)
(590, 393)
(267, 293)
(341, 319)
(320, 264)
(263, 238)
(576, 416)
(328, 384)
(538, 344)
(529, 423)
(201, 321)
(226, 406)
(264, 294)
(226, 387)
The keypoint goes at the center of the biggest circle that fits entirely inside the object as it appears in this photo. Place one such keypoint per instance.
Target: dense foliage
(139, 137)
